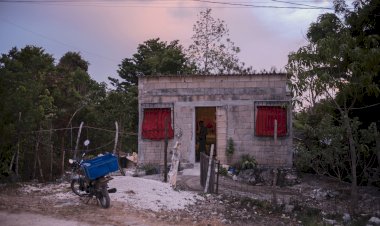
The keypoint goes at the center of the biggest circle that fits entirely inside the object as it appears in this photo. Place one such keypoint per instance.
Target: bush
(246, 162)
(223, 171)
(230, 147)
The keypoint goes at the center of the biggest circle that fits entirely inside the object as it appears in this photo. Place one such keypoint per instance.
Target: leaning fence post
(116, 137)
(209, 168)
(77, 144)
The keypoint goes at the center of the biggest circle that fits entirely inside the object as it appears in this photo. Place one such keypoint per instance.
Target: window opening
(153, 126)
(265, 120)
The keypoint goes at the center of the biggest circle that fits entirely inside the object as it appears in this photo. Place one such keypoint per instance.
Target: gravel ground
(144, 194)
(150, 194)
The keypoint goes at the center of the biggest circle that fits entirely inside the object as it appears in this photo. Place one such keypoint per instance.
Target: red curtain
(265, 120)
(153, 126)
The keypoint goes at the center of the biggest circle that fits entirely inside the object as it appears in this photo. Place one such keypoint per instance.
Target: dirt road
(26, 219)
(143, 202)
(55, 204)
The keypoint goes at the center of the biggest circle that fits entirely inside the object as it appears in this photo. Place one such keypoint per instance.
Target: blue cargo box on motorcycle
(100, 166)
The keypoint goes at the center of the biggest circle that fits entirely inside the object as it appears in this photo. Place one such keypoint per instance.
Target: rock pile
(269, 176)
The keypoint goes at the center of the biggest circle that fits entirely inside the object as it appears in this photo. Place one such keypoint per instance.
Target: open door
(205, 121)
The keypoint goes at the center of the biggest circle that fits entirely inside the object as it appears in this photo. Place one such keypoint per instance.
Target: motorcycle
(90, 179)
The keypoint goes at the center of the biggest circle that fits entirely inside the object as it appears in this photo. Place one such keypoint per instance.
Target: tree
(319, 147)
(72, 61)
(73, 87)
(152, 57)
(338, 60)
(361, 25)
(39, 100)
(75, 93)
(25, 99)
(121, 107)
(212, 50)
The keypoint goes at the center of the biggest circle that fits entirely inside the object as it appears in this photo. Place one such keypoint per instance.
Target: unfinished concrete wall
(221, 133)
(183, 119)
(235, 98)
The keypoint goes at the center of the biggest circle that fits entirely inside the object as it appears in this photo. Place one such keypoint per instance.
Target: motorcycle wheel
(77, 187)
(104, 198)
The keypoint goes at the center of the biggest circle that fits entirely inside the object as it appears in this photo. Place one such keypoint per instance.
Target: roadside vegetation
(335, 81)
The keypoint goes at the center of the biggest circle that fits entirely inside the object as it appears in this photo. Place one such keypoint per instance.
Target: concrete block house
(242, 107)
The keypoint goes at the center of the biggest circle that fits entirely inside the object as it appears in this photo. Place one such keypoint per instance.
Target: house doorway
(205, 121)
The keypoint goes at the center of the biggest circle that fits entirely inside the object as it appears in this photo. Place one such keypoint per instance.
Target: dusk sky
(105, 32)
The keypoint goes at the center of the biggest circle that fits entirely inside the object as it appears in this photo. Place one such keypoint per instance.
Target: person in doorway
(202, 137)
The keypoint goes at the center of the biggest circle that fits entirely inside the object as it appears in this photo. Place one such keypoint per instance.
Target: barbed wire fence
(43, 154)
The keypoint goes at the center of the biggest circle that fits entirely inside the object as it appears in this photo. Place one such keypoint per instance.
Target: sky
(106, 32)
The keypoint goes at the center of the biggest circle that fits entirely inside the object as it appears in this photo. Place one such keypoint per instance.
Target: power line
(260, 6)
(163, 3)
(294, 3)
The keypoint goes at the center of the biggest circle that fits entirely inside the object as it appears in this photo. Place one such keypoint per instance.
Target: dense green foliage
(153, 57)
(336, 74)
(322, 146)
(26, 101)
(42, 106)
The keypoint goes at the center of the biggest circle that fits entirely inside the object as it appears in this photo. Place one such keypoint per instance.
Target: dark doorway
(205, 120)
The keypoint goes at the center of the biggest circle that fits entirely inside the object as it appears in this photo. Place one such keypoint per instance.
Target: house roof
(213, 75)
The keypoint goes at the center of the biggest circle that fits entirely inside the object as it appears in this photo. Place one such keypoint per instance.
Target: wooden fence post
(116, 137)
(166, 151)
(209, 168)
(78, 137)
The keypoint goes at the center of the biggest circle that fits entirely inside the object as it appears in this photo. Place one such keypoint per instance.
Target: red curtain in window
(265, 120)
(153, 126)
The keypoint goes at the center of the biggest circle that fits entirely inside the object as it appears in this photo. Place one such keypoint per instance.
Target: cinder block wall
(235, 98)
